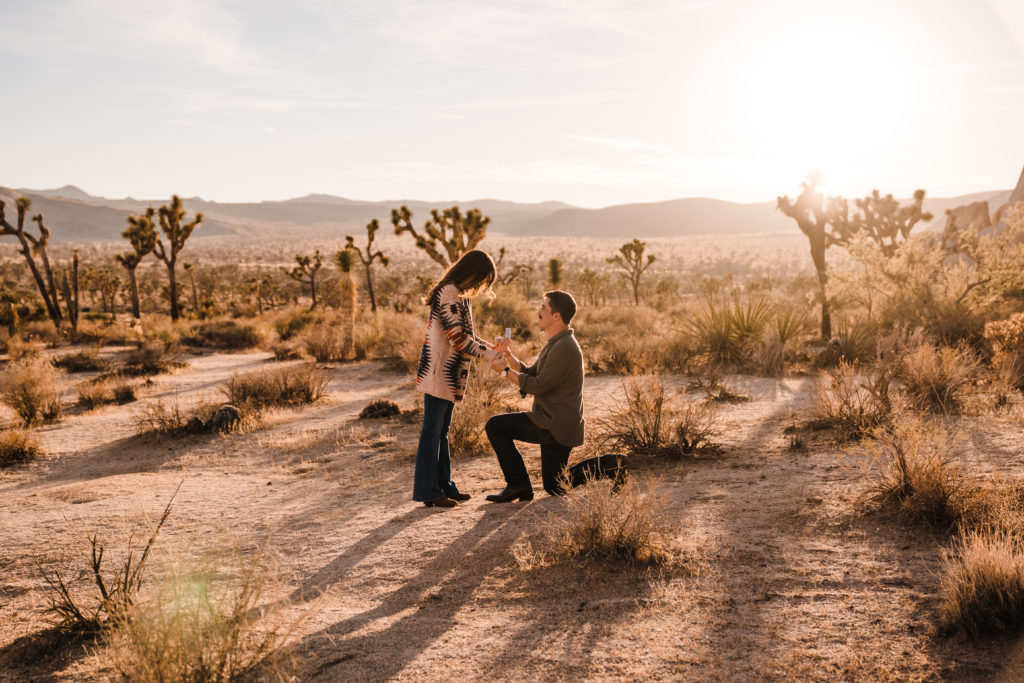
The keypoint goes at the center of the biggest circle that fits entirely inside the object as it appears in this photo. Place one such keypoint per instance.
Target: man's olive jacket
(556, 382)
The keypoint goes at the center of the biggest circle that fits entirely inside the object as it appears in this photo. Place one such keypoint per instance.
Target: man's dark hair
(562, 303)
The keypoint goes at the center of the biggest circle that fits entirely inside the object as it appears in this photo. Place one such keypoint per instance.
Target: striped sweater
(449, 346)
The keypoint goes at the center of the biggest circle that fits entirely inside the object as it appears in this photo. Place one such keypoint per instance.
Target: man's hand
(498, 364)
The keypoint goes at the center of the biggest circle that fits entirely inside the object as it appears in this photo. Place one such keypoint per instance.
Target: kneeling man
(556, 422)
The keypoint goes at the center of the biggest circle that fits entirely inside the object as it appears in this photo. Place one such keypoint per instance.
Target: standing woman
(449, 347)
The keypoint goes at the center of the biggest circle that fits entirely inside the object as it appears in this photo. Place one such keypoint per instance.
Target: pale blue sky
(593, 102)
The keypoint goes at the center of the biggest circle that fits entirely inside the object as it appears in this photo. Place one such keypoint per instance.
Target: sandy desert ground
(786, 576)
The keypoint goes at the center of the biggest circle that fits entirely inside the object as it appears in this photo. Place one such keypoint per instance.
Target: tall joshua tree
(367, 259)
(177, 231)
(32, 246)
(305, 272)
(141, 234)
(828, 221)
(450, 230)
(345, 259)
(630, 260)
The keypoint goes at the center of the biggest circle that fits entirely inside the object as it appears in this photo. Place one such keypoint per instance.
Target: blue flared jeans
(433, 478)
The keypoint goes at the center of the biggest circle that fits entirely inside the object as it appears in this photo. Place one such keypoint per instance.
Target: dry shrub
(714, 388)
(29, 388)
(290, 324)
(850, 403)
(326, 343)
(626, 355)
(378, 408)
(82, 361)
(287, 350)
(291, 385)
(918, 473)
(638, 426)
(17, 446)
(223, 334)
(94, 394)
(200, 626)
(630, 523)
(983, 582)
(153, 358)
(695, 426)
(124, 392)
(1007, 340)
(114, 594)
(934, 378)
(487, 394)
(42, 331)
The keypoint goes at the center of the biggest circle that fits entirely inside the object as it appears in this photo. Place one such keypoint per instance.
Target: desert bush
(291, 385)
(982, 584)
(94, 394)
(624, 355)
(326, 343)
(17, 446)
(695, 426)
(199, 626)
(29, 388)
(293, 322)
(41, 331)
(380, 407)
(851, 403)
(487, 394)
(153, 358)
(918, 473)
(935, 378)
(638, 426)
(82, 361)
(123, 393)
(115, 594)
(715, 390)
(287, 350)
(508, 311)
(1007, 340)
(162, 418)
(223, 334)
(630, 523)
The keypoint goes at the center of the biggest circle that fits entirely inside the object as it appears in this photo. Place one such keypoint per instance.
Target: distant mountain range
(74, 215)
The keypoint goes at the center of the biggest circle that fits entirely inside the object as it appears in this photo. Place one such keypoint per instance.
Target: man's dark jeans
(504, 430)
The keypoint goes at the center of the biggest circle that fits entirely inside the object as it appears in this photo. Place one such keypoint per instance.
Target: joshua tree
(32, 246)
(827, 222)
(305, 272)
(104, 284)
(190, 269)
(367, 260)
(70, 292)
(631, 260)
(467, 231)
(141, 234)
(555, 272)
(345, 259)
(177, 231)
(518, 269)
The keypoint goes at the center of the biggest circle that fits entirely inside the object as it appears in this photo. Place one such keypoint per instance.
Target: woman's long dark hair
(472, 274)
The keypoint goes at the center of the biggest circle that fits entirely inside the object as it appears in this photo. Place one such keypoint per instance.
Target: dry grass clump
(115, 593)
(983, 582)
(935, 377)
(291, 385)
(695, 426)
(487, 394)
(918, 472)
(82, 361)
(1007, 340)
(161, 418)
(202, 624)
(380, 407)
(153, 358)
(29, 388)
(326, 343)
(94, 394)
(287, 350)
(851, 403)
(293, 322)
(631, 523)
(223, 334)
(638, 427)
(17, 446)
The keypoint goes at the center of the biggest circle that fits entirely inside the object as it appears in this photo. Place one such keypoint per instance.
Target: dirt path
(790, 578)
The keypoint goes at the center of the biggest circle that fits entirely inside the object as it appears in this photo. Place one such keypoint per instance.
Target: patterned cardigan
(449, 346)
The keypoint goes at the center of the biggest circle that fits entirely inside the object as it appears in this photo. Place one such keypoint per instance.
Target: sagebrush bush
(17, 446)
(695, 426)
(203, 624)
(630, 523)
(982, 587)
(29, 388)
(851, 403)
(82, 361)
(291, 385)
(918, 472)
(638, 426)
(223, 334)
(935, 378)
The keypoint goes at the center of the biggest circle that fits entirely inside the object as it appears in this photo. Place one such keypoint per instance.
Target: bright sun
(830, 99)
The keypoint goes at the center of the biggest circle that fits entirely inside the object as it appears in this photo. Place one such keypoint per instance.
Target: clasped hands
(507, 358)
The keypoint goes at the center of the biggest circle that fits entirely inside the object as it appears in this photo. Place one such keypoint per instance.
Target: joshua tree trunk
(172, 290)
(136, 312)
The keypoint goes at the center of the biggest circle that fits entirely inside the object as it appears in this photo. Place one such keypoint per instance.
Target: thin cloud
(626, 144)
